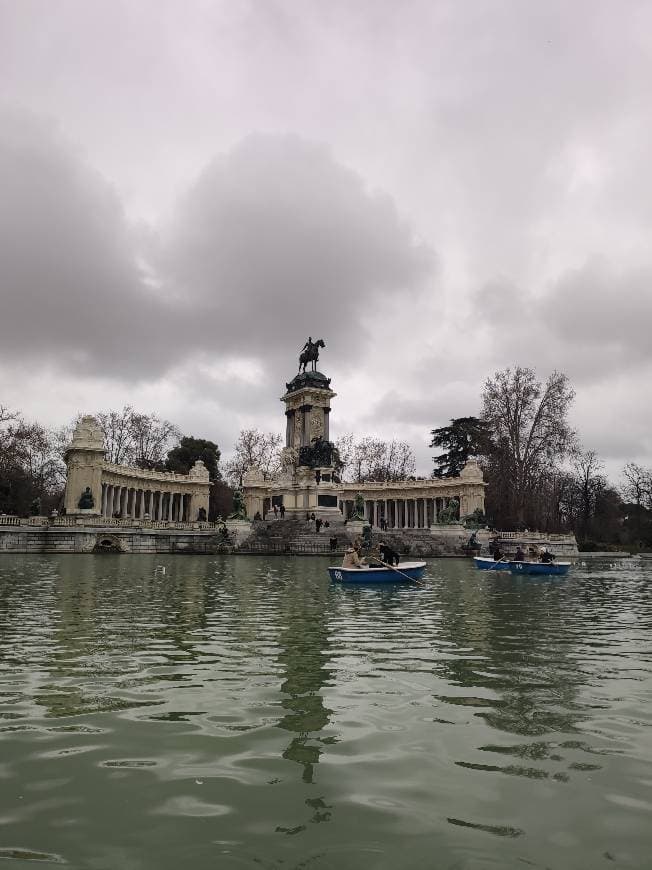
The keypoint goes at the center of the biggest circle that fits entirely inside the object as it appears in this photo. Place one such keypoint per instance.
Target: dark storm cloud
(275, 237)
(271, 239)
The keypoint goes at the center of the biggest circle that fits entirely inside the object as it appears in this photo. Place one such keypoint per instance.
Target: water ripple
(243, 712)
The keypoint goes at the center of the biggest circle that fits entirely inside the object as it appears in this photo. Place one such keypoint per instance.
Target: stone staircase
(294, 536)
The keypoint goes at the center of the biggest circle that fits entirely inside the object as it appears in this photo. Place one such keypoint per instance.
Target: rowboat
(406, 572)
(541, 568)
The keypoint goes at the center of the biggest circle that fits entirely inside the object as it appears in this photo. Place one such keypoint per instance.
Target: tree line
(540, 476)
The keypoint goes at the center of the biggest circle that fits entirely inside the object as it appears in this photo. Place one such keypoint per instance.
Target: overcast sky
(437, 189)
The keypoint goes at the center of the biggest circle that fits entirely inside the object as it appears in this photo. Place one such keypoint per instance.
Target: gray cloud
(513, 137)
(275, 237)
(592, 322)
(272, 238)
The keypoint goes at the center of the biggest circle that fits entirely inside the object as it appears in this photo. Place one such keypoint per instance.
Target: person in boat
(546, 556)
(497, 554)
(519, 555)
(387, 554)
(352, 557)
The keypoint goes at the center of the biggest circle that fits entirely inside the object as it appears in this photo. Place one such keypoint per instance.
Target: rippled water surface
(241, 712)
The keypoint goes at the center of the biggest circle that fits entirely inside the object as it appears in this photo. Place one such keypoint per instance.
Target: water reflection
(303, 637)
(495, 720)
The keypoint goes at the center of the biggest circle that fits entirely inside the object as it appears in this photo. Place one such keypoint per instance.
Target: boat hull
(485, 564)
(412, 570)
(539, 568)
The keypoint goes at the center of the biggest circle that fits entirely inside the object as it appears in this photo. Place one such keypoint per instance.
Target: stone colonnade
(138, 503)
(399, 513)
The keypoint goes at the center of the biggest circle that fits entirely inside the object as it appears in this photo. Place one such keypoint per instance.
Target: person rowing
(388, 554)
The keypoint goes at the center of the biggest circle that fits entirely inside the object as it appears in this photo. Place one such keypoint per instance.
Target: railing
(104, 522)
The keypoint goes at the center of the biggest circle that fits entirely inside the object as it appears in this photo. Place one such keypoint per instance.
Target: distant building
(307, 483)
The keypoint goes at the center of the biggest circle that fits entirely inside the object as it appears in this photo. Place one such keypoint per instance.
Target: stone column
(376, 511)
(170, 499)
(416, 513)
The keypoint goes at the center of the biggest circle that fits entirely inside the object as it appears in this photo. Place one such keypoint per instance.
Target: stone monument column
(84, 459)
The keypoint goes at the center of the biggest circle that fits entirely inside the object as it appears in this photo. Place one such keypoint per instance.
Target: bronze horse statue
(311, 354)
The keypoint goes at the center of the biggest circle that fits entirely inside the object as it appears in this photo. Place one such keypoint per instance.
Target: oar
(502, 559)
(392, 568)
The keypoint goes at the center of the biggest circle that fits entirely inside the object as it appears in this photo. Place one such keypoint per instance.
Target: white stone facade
(305, 490)
(126, 492)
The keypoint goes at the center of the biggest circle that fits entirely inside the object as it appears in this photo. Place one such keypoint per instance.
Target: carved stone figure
(359, 507)
(239, 510)
(86, 502)
(318, 454)
(450, 513)
(310, 353)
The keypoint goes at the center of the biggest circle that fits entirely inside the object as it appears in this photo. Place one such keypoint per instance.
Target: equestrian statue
(310, 354)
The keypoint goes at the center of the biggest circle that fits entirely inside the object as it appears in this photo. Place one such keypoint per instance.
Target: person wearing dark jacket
(387, 554)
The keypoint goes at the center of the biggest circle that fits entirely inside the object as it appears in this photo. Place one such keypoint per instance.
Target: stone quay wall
(64, 535)
(83, 535)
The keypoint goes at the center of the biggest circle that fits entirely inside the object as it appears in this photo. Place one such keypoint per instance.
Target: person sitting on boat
(546, 555)
(519, 555)
(497, 554)
(387, 554)
(352, 557)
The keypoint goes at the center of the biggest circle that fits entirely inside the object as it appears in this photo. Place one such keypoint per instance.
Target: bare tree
(118, 435)
(372, 459)
(254, 449)
(530, 430)
(130, 437)
(637, 485)
(637, 489)
(590, 483)
(152, 438)
(343, 455)
(31, 469)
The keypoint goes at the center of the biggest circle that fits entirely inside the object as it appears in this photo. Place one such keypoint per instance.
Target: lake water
(242, 712)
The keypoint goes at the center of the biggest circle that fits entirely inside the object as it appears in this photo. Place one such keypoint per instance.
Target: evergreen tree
(465, 437)
(182, 457)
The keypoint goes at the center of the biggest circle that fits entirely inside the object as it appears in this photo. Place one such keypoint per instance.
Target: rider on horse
(310, 353)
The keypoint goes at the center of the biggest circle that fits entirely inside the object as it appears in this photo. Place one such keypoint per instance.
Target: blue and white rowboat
(540, 568)
(406, 572)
